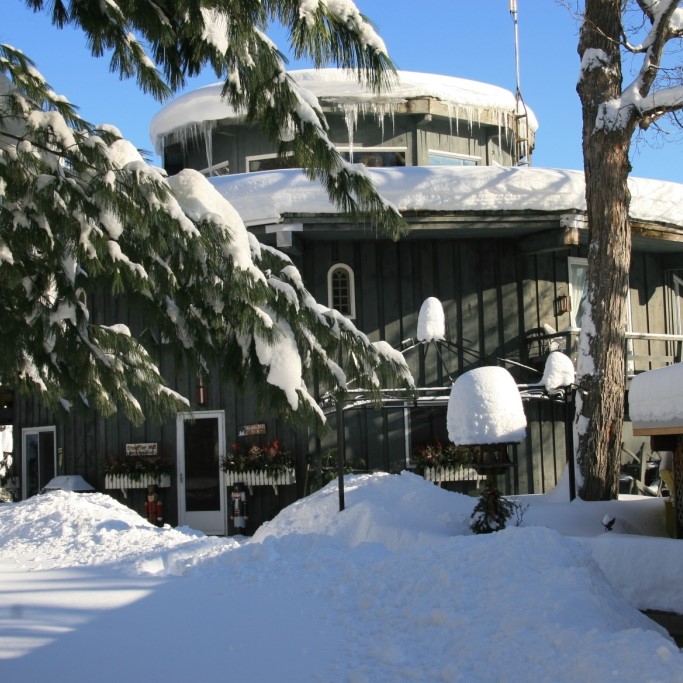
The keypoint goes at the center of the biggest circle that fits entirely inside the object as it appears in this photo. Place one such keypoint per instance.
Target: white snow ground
(395, 588)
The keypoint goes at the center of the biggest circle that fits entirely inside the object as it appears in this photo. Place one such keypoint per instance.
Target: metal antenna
(515, 23)
(522, 146)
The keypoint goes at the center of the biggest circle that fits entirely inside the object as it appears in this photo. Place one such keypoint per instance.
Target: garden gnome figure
(153, 506)
(238, 506)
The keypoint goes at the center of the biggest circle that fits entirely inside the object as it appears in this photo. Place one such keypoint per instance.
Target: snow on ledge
(656, 398)
(264, 197)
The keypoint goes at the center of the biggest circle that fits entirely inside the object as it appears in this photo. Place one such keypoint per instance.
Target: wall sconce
(202, 393)
(562, 305)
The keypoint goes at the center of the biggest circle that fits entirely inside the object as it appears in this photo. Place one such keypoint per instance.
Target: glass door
(38, 459)
(201, 482)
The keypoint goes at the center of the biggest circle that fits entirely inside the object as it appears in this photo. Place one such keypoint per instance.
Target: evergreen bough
(87, 228)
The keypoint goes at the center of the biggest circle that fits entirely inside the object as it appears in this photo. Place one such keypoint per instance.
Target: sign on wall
(141, 449)
(251, 430)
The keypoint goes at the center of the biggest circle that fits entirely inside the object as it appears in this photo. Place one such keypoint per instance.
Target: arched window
(341, 293)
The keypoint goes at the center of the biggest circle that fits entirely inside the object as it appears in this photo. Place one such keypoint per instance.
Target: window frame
(351, 150)
(453, 155)
(351, 315)
(260, 157)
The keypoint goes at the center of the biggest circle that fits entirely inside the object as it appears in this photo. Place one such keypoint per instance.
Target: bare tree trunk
(600, 399)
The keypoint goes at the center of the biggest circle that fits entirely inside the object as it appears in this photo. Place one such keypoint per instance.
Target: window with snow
(375, 157)
(216, 170)
(439, 158)
(269, 162)
(341, 293)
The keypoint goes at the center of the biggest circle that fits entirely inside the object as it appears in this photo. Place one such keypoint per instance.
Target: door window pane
(39, 459)
(202, 467)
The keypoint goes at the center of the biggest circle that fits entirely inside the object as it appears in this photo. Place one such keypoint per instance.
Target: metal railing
(644, 350)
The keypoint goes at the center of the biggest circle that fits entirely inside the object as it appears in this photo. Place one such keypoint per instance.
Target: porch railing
(644, 350)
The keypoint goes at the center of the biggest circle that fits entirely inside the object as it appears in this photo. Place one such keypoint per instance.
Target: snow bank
(393, 588)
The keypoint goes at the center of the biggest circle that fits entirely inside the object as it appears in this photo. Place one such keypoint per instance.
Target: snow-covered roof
(655, 400)
(264, 197)
(337, 88)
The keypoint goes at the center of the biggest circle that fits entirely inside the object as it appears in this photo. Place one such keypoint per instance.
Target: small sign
(141, 449)
(251, 430)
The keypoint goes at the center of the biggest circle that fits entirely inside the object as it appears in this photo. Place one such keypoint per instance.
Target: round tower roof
(340, 89)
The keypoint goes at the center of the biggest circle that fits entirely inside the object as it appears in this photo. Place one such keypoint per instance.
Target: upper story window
(269, 162)
(375, 157)
(439, 158)
(341, 293)
(216, 170)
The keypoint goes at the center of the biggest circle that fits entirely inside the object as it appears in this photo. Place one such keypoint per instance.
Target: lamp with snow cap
(485, 413)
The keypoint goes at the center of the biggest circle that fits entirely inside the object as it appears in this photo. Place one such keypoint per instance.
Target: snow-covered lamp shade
(431, 321)
(558, 372)
(485, 408)
(655, 400)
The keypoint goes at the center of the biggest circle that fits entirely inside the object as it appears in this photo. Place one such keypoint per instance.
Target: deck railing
(644, 350)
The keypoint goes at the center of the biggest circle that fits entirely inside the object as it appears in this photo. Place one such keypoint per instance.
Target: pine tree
(492, 510)
(81, 212)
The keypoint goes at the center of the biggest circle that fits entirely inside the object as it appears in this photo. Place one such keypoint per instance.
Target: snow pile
(393, 588)
(655, 397)
(485, 408)
(264, 197)
(431, 321)
(558, 371)
(65, 529)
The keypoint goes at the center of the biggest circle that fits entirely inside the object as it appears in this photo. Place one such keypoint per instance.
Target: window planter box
(253, 478)
(441, 474)
(123, 481)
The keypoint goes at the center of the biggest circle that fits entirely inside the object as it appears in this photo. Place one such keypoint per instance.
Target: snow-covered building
(501, 246)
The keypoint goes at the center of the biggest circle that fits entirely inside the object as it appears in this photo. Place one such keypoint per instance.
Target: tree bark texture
(600, 404)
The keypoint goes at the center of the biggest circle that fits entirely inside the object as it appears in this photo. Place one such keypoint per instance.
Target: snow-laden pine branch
(87, 226)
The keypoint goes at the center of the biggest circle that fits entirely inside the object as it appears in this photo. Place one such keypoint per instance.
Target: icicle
(191, 133)
(450, 119)
(208, 127)
(351, 119)
(379, 110)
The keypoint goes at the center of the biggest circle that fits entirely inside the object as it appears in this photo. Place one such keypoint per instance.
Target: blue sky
(452, 37)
